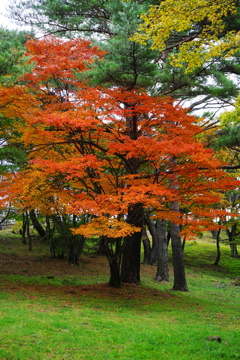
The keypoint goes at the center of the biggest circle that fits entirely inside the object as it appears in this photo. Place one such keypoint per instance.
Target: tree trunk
(183, 243)
(24, 228)
(146, 247)
(153, 232)
(232, 234)
(36, 224)
(214, 234)
(28, 232)
(101, 246)
(162, 252)
(234, 251)
(75, 247)
(130, 272)
(48, 236)
(74, 243)
(180, 283)
(113, 248)
(115, 278)
(218, 247)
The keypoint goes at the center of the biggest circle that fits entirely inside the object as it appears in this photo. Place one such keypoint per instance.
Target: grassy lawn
(47, 314)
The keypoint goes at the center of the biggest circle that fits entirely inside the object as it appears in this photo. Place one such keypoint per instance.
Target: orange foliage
(101, 151)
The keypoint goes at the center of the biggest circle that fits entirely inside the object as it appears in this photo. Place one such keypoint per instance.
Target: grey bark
(216, 262)
(130, 272)
(153, 232)
(146, 247)
(162, 252)
(180, 282)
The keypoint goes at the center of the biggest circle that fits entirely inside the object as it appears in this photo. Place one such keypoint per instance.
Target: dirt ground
(16, 259)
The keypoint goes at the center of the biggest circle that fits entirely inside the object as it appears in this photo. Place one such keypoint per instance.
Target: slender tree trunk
(70, 239)
(48, 236)
(216, 262)
(183, 243)
(130, 272)
(101, 246)
(162, 252)
(146, 247)
(153, 232)
(80, 241)
(36, 224)
(28, 232)
(24, 228)
(75, 245)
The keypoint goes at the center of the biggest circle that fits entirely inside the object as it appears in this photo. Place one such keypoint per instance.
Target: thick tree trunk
(115, 278)
(114, 266)
(36, 224)
(232, 234)
(162, 252)
(233, 250)
(180, 283)
(130, 272)
(113, 248)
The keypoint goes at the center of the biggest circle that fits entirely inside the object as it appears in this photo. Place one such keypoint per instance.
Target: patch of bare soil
(16, 259)
(98, 291)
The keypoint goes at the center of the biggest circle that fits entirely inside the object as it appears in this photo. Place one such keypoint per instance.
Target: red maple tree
(114, 154)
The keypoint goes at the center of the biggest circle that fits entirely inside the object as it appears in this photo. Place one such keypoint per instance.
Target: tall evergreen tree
(111, 23)
(13, 64)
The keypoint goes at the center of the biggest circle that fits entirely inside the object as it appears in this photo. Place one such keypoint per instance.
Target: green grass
(150, 327)
(64, 318)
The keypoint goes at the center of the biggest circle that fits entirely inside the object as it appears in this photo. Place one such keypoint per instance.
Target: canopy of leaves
(101, 151)
(195, 28)
(110, 23)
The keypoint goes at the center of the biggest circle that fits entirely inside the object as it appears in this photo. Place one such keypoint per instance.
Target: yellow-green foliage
(173, 17)
(232, 117)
